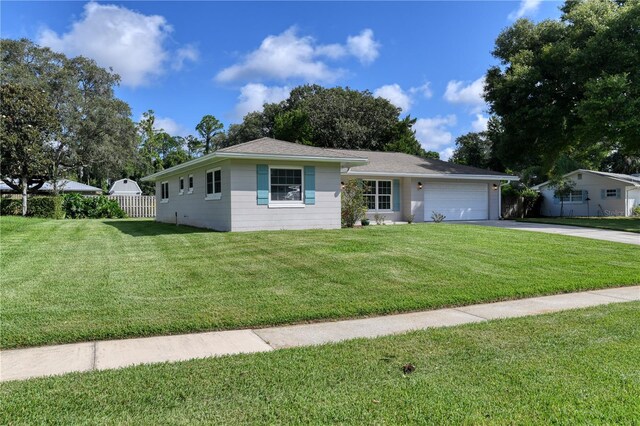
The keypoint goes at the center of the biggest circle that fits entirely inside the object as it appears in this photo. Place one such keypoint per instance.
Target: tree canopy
(95, 135)
(568, 88)
(332, 118)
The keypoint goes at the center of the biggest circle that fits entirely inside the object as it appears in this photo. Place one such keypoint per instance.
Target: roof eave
(434, 175)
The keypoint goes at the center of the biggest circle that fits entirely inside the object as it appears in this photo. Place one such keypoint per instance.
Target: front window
(611, 193)
(286, 184)
(214, 184)
(573, 197)
(377, 194)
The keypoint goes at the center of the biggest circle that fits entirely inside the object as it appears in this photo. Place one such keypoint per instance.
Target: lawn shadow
(147, 228)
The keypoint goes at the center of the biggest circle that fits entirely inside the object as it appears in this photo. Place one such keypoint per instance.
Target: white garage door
(457, 201)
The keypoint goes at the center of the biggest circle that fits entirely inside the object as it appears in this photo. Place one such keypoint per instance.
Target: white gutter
(435, 175)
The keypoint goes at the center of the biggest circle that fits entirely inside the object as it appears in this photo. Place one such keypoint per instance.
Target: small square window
(181, 186)
(190, 184)
(579, 176)
(611, 193)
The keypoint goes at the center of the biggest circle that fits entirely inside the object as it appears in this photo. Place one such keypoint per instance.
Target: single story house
(595, 194)
(125, 187)
(272, 184)
(65, 186)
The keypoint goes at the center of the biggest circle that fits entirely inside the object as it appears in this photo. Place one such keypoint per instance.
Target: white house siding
(633, 199)
(247, 215)
(192, 208)
(597, 206)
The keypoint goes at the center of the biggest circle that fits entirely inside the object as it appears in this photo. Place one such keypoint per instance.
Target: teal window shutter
(262, 171)
(309, 184)
(585, 195)
(603, 194)
(618, 193)
(396, 195)
(556, 199)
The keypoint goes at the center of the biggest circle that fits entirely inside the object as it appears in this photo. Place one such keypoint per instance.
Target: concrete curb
(21, 364)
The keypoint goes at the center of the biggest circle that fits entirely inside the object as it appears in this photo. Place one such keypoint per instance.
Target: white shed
(125, 187)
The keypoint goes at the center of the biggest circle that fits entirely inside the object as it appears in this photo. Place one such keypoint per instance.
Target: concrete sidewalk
(20, 364)
(574, 231)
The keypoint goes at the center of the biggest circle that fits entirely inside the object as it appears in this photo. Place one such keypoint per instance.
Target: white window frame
(607, 195)
(164, 192)
(213, 195)
(190, 184)
(376, 195)
(572, 199)
(288, 203)
(181, 185)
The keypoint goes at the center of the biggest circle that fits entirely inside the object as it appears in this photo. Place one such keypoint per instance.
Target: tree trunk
(25, 185)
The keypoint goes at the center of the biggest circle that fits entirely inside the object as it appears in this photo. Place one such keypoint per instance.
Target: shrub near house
(72, 206)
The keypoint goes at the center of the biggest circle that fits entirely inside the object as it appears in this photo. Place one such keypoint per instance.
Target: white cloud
(401, 98)
(480, 123)
(527, 7)
(433, 133)
(170, 126)
(287, 55)
(254, 95)
(424, 90)
(364, 47)
(394, 94)
(183, 54)
(446, 154)
(129, 42)
(471, 94)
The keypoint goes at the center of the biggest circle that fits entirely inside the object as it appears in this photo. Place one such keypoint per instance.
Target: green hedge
(73, 206)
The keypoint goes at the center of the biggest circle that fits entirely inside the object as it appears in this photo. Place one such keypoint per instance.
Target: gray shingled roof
(64, 185)
(630, 179)
(270, 146)
(400, 163)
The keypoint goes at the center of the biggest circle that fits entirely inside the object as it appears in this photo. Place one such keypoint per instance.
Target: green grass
(574, 367)
(77, 280)
(628, 224)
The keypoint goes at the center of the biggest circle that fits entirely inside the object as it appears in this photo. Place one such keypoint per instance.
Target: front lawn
(574, 367)
(76, 280)
(628, 224)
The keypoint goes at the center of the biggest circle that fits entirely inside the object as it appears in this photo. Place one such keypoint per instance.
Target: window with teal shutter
(309, 185)
(262, 173)
(396, 195)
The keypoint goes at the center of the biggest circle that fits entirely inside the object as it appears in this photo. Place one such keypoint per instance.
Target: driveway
(574, 231)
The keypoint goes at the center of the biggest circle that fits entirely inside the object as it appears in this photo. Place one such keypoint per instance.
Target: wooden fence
(137, 205)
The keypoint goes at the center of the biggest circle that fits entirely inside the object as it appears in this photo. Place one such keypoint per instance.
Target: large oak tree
(568, 87)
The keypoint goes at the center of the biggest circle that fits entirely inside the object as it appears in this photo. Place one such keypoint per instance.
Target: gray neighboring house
(267, 184)
(125, 187)
(595, 194)
(65, 186)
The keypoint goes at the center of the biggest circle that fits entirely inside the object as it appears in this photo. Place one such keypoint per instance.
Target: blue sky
(188, 59)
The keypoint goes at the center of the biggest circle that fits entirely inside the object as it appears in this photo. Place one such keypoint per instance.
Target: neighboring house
(272, 184)
(595, 194)
(125, 187)
(65, 186)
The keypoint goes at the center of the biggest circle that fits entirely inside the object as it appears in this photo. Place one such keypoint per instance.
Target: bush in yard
(635, 211)
(43, 207)
(101, 207)
(74, 206)
(437, 217)
(353, 204)
(10, 207)
(77, 206)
